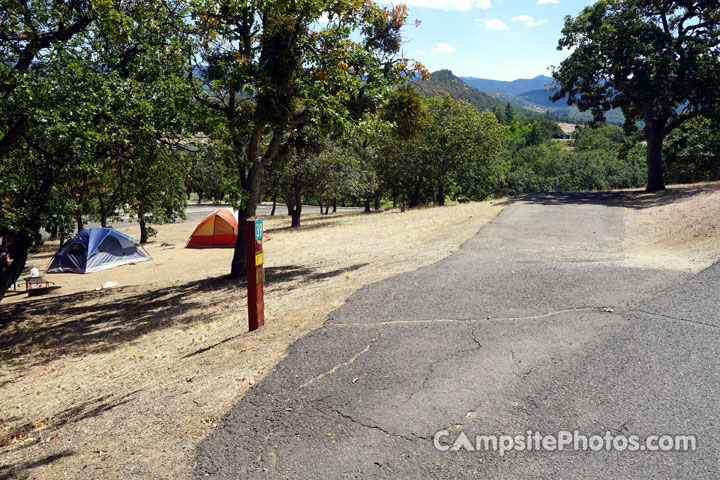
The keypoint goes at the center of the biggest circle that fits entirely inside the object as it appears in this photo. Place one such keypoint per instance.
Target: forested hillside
(444, 80)
(541, 98)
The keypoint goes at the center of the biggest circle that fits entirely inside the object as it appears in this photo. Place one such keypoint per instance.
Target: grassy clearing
(124, 382)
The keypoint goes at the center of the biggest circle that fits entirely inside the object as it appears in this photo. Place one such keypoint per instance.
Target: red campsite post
(255, 272)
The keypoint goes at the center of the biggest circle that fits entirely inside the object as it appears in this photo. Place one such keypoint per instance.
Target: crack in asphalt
(670, 317)
(604, 309)
(431, 371)
(344, 364)
(474, 337)
(414, 437)
(516, 367)
(472, 414)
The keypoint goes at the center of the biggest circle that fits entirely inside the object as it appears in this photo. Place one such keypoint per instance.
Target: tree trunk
(415, 196)
(334, 205)
(143, 225)
(297, 211)
(367, 205)
(252, 184)
(18, 249)
(327, 207)
(53, 232)
(414, 199)
(441, 194)
(103, 219)
(272, 212)
(79, 221)
(199, 198)
(10, 273)
(290, 204)
(377, 203)
(239, 261)
(12, 135)
(654, 160)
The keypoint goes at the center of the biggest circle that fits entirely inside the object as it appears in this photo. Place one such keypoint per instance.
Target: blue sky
(496, 39)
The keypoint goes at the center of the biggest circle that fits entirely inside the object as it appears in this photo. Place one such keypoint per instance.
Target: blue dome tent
(96, 249)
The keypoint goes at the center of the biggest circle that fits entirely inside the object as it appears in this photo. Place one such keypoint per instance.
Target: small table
(30, 281)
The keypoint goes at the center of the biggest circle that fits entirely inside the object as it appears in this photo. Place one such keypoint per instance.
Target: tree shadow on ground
(312, 223)
(92, 322)
(628, 199)
(88, 409)
(20, 471)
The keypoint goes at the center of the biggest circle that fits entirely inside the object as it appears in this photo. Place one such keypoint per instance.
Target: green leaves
(454, 149)
(109, 78)
(657, 61)
(270, 70)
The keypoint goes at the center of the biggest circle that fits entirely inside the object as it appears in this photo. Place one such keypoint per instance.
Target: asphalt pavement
(533, 325)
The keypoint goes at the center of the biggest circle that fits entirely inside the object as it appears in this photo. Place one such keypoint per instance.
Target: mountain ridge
(446, 81)
(514, 87)
(532, 94)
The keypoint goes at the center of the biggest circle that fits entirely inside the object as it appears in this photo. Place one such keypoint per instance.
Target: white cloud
(529, 21)
(443, 48)
(523, 18)
(546, 2)
(450, 5)
(422, 52)
(493, 24)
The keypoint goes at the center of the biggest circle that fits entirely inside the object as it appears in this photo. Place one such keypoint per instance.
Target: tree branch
(42, 42)
(11, 137)
(682, 119)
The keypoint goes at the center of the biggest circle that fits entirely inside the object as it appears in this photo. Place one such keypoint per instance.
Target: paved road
(533, 324)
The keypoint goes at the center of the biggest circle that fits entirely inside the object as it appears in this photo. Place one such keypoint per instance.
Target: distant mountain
(514, 88)
(532, 94)
(541, 99)
(445, 80)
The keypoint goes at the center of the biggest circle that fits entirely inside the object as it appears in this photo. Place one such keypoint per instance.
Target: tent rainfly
(217, 230)
(97, 249)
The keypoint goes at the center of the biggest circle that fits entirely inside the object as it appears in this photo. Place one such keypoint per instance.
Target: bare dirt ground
(124, 382)
(675, 229)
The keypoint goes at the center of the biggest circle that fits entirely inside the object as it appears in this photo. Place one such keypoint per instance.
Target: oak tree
(657, 60)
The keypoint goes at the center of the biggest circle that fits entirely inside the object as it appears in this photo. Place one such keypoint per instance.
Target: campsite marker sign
(255, 272)
(258, 229)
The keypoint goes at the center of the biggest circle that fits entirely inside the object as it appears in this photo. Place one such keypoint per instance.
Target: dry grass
(125, 382)
(567, 128)
(676, 229)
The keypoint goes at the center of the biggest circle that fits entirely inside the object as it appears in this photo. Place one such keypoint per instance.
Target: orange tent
(217, 230)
